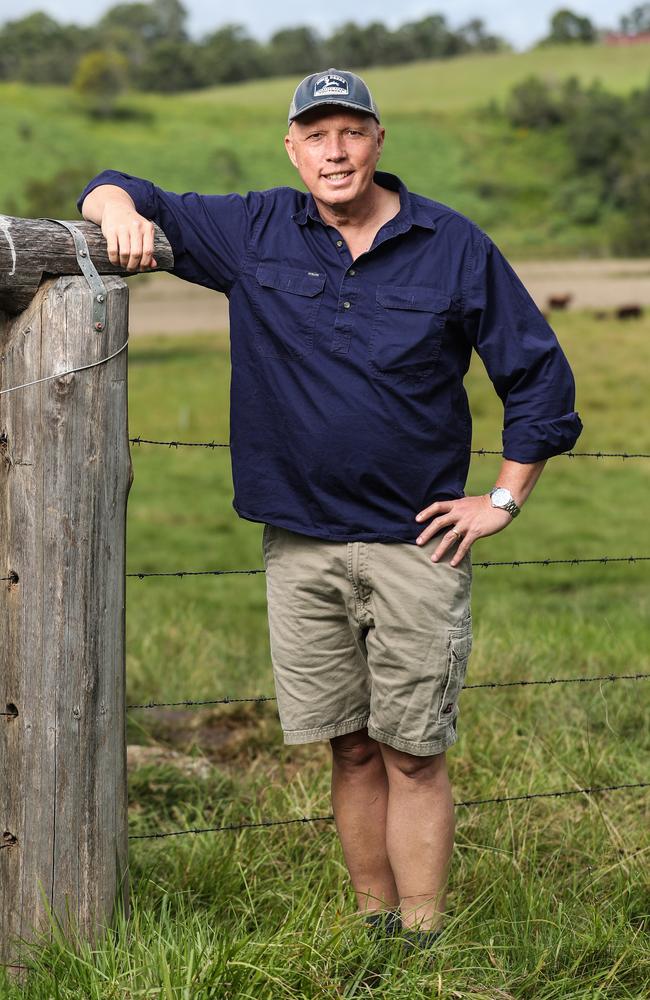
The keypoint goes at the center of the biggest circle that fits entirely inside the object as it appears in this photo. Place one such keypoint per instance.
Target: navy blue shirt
(348, 413)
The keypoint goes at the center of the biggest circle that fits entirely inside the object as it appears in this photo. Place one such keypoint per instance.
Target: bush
(532, 104)
(100, 78)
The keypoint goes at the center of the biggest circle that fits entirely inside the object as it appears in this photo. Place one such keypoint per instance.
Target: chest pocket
(287, 301)
(407, 331)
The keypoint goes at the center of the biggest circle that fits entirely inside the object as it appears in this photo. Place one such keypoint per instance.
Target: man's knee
(416, 768)
(355, 750)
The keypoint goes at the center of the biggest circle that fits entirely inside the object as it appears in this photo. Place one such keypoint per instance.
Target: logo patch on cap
(331, 84)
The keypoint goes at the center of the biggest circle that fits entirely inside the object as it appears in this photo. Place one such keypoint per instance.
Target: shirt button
(346, 305)
(339, 243)
(352, 271)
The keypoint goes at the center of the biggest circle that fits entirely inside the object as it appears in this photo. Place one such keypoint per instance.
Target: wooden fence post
(65, 473)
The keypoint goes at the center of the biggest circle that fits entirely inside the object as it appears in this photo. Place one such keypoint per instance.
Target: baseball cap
(333, 86)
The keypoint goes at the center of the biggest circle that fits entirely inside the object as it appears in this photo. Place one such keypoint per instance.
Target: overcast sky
(521, 23)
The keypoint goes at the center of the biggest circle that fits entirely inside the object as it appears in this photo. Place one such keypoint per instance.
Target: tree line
(147, 46)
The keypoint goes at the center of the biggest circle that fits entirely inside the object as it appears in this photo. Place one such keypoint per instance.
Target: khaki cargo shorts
(367, 634)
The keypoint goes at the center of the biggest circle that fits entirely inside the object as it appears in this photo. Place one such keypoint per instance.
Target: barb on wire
(329, 817)
(486, 684)
(482, 565)
(476, 451)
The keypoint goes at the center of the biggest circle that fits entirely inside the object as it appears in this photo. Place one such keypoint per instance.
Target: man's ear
(288, 145)
(381, 135)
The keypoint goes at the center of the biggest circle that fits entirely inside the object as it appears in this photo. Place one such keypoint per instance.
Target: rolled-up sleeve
(208, 234)
(522, 357)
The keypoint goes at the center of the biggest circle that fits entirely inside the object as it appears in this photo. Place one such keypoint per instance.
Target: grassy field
(549, 899)
(443, 139)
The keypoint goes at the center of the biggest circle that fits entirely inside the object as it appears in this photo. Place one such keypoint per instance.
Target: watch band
(511, 507)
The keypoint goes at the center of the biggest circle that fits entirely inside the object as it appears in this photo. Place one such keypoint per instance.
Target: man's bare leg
(360, 800)
(420, 827)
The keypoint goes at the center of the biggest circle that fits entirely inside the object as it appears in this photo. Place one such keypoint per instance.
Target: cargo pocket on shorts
(459, 646)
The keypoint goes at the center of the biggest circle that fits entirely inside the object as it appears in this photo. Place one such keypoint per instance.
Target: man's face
(336, 152)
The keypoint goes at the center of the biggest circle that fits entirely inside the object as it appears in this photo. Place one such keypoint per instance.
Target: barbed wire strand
(483, 565)
(329, 817)
(578, 454)
(179, 444)
(478, 451)
(568, 562)
(69, 371)
(487, 684)
(200, 572)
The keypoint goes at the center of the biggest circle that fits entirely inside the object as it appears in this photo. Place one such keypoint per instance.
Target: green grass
(442, 138)
(549, 899)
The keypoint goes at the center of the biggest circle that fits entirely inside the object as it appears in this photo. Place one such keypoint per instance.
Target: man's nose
(334, 148)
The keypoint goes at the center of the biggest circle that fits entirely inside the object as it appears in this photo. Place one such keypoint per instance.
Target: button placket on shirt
(344, 322)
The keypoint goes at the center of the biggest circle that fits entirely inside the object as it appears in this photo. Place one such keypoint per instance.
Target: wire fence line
(143, 575)
(486, 684)
(477, 451)
(329, 817)
(200, 572)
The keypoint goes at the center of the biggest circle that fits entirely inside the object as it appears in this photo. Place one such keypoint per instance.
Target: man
(354, 310)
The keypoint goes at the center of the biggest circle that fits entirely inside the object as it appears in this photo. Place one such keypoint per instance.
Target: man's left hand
(467, 519)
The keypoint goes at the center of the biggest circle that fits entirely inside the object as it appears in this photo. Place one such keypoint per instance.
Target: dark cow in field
(629, 312)
(559, 301)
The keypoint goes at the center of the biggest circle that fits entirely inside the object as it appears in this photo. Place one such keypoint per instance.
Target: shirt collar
(412, 211)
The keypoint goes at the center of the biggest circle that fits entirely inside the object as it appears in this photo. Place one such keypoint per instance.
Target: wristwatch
(503, 498)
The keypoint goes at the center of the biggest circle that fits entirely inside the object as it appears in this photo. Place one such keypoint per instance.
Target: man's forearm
(519, 478)
(94, 203)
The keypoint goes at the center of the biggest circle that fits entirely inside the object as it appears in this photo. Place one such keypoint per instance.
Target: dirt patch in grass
(230, 737)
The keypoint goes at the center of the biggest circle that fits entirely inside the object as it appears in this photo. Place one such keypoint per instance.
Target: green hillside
(458, 85)
(443, 137)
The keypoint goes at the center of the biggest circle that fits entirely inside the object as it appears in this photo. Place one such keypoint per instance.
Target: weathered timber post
(65, 473)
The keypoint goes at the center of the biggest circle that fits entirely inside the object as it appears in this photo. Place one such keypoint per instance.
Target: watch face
(500, 496)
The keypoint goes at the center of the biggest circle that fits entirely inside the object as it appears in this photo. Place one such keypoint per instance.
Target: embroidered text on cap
(330, 84)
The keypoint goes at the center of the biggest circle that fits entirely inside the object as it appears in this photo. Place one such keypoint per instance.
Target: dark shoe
(383, 923)
(415, 940)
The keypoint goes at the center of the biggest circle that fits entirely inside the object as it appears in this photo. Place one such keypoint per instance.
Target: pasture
(444, 136)
(549, 898)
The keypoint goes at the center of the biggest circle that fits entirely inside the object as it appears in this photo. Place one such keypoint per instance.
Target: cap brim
(336, 103)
